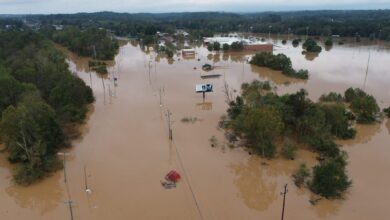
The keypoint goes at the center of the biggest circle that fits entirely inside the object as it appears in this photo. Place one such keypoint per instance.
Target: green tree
(311, 46)
(225, 47)
(363, 105)
(32, 137)
(301, 175)
(237, 46)
(216, 46)
(329, 42)
(210, 47)
(260, 126)
(329, 177)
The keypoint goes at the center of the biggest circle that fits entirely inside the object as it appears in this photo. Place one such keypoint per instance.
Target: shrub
(311, 46)
(301, 175)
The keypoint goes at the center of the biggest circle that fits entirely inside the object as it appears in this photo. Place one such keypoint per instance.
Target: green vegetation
(225, 47)
(260, 126)
(329, 42)
(38, 95)
(387, 111)
(205, 24)
(339, 121)
(288, 150)
(91, 42)
(329, 177)
(301, 175)
(296, 42)
(216, 46)
(98, 66)
(332, 97)
(278, 62)
(32, 136)
(363, 105)
(260, 117)
(237, 46)
(311, 45)
(169, 49)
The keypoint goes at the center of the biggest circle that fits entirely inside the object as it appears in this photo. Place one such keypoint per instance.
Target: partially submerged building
(188, 52)
(251, 44)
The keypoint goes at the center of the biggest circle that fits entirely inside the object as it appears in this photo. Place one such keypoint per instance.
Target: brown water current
(126, 152)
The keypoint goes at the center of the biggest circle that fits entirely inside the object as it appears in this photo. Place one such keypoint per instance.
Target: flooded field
(125, 152)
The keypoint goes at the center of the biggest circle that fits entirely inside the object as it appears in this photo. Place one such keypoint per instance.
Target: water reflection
(311, 56)
(328, 48)
(206, 106)
(256, 189)
(364, 133)
(275, 76)
(326, 208)
(32, 197)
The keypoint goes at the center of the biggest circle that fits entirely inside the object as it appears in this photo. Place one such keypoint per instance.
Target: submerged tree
(329, 177)
(260, 126)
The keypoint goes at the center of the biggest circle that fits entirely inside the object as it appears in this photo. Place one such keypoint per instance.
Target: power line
(188, 181)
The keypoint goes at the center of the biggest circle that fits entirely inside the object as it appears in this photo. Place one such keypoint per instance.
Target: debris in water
(207, 67)
(168, 184)
(189, 120)
(264, 164)
(314, 199)
(88, 191)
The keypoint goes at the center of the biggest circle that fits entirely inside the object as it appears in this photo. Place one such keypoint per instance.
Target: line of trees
(366, 23)
(92, 42)
(38, 97)
(260, 117)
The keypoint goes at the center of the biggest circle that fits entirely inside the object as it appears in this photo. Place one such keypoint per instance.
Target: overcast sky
(73, 6)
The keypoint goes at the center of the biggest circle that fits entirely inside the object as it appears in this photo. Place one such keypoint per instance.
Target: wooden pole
(63, 162)
(85, 178)
(69, 202)
(284, 199)
(169, 124)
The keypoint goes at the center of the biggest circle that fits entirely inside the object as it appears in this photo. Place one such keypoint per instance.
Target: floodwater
(124, 151)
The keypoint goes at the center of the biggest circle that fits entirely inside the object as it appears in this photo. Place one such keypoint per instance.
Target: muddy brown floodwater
(126, 153)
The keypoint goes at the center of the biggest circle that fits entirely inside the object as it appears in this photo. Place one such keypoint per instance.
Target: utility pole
(169, 114)
(69, 203)
(269, 33)
(159, 91)
(87, 189)
(307, 32)
(94, 51)
(63, 162)
(284, 199)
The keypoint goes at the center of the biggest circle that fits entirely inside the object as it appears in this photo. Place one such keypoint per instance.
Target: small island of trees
(259, 118)
(311, 46)
(278, 62)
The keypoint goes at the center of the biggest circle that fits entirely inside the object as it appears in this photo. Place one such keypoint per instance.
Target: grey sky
(72, 6)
